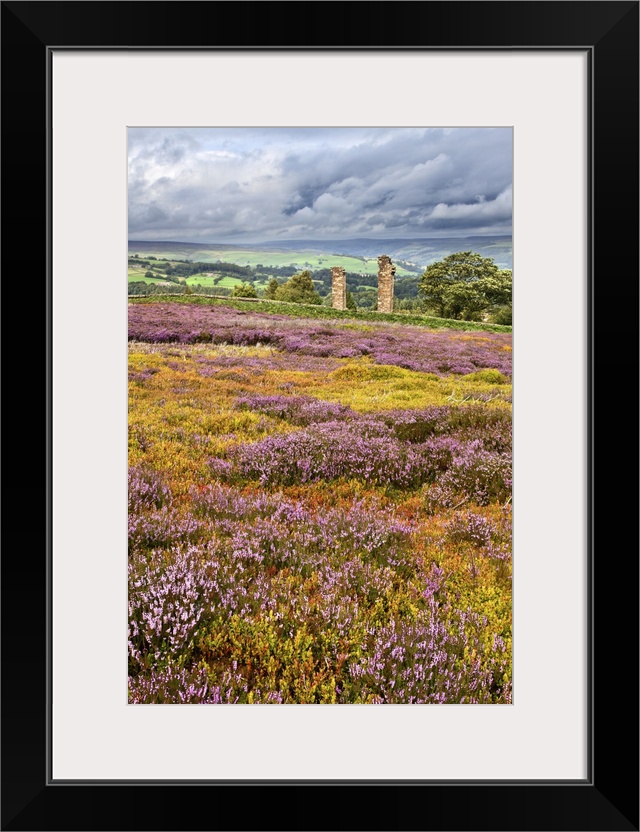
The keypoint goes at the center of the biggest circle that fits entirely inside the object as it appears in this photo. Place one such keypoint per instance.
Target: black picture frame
(608, 798)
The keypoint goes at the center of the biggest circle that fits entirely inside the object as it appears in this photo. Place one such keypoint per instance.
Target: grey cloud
(259, 184)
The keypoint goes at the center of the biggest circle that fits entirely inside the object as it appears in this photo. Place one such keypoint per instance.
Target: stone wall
(338, 288)
(386, 272)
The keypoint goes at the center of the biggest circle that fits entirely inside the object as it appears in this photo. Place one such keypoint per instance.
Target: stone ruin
(338, 288)
(386, 272)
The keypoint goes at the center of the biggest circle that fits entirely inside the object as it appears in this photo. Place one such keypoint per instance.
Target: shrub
(488, 376)
(367, 451)
(244, 290)
(474, 475)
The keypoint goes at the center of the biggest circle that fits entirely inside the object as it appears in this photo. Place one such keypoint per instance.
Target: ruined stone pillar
(338, 288)
(386, 271)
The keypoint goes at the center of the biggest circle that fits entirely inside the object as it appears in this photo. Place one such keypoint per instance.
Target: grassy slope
(300, 310)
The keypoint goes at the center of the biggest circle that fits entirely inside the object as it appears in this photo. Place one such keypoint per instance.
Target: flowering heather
(366, 450)
(281, 531)
(274, 360)
(166, 602)
(146, 489)
(161, 528)
(413, 348)
(474, 474)
(298, 410)
(331, 574)
(493, 426)
(435, 659)
(319, 511)
(491, 539)
(179, 686)
(471, 527)
(172, 686)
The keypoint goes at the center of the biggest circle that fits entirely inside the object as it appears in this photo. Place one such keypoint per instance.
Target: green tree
(503, 315)
(498, 289)
(244, 290)
(299, 289)
(465, 285)
(351, 304)
(366, 299)
(272, 288)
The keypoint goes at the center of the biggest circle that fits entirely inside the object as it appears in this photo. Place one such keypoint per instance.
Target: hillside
(356, 255)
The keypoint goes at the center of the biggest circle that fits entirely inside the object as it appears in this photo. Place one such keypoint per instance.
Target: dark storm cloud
(257, 184)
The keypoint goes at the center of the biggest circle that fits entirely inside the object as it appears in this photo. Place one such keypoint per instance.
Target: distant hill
(418, 252)
(421, 251)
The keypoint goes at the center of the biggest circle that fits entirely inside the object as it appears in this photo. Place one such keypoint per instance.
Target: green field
(212, 282)
(216, 282)
(137, 275)
(251, 257)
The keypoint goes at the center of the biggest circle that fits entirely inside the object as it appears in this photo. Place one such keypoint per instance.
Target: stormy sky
(258, 184)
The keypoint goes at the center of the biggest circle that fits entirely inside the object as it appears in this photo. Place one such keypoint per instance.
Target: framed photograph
(546, 97)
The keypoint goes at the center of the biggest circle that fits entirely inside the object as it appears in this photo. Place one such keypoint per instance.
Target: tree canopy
(244, 290)
(299, 289)
(272, 289)
(464, 285)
